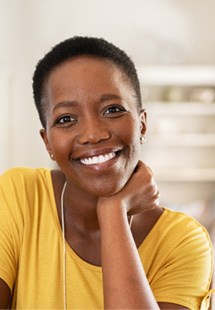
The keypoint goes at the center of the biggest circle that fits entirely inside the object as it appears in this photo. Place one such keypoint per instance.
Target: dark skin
(90, 103)
(83, 239)
(4, 295)
(84, 248)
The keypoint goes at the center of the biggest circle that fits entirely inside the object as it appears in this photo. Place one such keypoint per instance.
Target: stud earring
(52, 156)
(142, 139)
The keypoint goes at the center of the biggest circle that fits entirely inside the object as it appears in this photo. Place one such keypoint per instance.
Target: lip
(99, 166)
(96, 152)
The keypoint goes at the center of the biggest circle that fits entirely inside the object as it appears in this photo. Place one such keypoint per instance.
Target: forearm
(4, 295)
(124, 280)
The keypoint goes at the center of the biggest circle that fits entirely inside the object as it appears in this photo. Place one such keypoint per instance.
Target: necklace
(64, 244)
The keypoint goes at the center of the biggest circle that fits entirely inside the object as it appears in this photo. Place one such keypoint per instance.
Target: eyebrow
(105, 97)
(64, 104)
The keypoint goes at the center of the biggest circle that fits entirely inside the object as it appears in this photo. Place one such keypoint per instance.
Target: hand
(140, 193)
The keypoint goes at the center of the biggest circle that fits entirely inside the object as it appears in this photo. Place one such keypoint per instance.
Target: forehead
(87, 66)
(89, 74)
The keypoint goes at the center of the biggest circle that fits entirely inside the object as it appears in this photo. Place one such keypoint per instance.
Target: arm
(4, 295)
(124, 280)
(125, 283)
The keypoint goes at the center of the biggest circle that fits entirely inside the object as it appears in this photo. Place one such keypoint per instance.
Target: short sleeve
(10, 220)
(185, 276)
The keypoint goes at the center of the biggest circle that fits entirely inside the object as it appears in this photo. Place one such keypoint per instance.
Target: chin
(110, 188)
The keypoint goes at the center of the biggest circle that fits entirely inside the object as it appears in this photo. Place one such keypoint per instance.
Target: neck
(80, 208)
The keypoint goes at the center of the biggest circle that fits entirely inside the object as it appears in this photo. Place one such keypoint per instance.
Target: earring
(52, 156)
(142, 139)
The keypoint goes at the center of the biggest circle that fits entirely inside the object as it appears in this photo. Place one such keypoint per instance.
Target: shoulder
(19, 172)
(22, 190)
(19, 175)
(186, 239)
(177, 236)
(184, 224)
(181, 258)
(18, 182)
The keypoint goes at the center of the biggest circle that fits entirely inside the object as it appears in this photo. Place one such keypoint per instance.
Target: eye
(114, 109)
(65, 120)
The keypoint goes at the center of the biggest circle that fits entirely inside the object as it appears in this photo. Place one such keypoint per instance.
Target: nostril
(94, 136)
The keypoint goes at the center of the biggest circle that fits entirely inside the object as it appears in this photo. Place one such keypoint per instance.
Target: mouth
(99, 159)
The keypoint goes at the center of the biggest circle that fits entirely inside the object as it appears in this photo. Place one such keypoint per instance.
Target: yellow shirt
(176, 254)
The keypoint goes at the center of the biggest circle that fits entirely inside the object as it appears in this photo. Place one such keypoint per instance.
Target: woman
(91, 234)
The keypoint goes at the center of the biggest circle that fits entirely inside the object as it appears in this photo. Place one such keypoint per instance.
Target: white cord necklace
(64, 244)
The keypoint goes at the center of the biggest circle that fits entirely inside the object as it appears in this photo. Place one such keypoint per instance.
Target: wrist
(110, 212)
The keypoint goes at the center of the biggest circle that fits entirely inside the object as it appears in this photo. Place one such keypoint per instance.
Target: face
(93, 125)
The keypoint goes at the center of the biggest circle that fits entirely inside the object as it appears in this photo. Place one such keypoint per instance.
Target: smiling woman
(67, 233)
(87, 119)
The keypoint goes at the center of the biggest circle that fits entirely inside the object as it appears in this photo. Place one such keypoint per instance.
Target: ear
(143, 122)
(43, 134)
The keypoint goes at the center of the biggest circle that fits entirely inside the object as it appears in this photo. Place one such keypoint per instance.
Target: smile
(97, 159)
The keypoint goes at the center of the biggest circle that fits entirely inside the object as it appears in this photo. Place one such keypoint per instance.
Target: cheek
(59, 144)
(131, 134)
(135, 146)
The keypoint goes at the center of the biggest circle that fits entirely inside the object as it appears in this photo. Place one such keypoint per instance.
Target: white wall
(152, 32)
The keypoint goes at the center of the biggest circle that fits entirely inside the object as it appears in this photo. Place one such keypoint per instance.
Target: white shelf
(182, 139)
(185, 175)
(180, 142)
(177, 75)
(181, 108)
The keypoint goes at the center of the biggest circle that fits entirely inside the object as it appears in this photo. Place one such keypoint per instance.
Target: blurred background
(172, 43)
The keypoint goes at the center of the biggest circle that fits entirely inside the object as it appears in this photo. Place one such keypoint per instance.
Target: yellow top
(176, 254)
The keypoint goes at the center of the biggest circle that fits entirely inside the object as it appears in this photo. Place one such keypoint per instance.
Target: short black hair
(77, 46)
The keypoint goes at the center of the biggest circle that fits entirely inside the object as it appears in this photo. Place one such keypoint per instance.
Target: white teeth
(97, 159)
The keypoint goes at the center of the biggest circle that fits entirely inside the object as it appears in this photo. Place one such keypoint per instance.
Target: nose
(93, 131)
